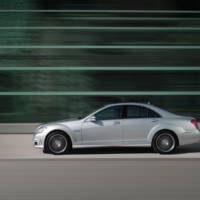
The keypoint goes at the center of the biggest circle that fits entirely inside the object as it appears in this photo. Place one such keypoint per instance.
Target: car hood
(64, 122)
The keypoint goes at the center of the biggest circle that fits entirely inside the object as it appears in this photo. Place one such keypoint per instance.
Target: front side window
(114, 112)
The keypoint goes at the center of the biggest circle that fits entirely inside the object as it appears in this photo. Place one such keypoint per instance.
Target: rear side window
(136, 112)
(140, 112)
(152, 114)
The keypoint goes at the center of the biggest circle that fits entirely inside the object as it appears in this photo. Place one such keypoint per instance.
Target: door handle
(117, 122)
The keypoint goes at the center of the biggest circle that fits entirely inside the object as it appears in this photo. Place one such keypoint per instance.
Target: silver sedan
(124, 124)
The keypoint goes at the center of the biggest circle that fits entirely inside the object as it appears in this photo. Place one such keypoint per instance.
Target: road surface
(120, 173)
(99, 179)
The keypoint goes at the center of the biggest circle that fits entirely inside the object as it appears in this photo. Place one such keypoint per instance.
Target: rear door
(138, 122)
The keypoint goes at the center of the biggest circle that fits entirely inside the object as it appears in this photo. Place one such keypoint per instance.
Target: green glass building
(64, 59)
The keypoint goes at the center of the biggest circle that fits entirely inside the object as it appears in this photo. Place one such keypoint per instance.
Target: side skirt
(127, 145)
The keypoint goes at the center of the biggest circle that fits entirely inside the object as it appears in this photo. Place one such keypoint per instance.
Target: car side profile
(122, 124)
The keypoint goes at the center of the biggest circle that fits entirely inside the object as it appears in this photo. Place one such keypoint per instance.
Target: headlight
(40, 129)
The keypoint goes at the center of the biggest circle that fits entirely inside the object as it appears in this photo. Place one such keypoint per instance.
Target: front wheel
(57, 143)
(164, 143)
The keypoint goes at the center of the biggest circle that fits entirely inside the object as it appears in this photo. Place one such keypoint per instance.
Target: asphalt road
(120, 173)
(99, 179)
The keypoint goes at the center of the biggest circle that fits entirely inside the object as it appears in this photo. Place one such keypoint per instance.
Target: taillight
(195, 124)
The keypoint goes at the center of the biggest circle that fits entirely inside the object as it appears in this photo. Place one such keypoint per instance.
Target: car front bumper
(38, 140)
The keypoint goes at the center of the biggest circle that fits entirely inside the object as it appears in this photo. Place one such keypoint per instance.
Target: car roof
(128, 103)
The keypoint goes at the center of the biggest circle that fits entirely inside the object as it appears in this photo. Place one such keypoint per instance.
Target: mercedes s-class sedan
(124, 124)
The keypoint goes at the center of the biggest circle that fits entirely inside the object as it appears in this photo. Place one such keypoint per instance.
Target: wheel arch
(58, 130)
(162, 131)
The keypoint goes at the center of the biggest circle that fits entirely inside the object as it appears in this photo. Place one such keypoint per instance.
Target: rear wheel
(164, 143)
(57, 143)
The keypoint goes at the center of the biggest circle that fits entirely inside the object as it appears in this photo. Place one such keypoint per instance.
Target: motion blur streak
(140, 51)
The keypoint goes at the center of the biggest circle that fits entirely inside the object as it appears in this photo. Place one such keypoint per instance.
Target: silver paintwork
(88, 132)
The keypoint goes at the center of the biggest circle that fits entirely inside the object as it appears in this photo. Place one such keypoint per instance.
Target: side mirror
(92, 119)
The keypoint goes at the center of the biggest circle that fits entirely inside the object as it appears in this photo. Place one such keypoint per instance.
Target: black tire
(57, 143)
(164, 143)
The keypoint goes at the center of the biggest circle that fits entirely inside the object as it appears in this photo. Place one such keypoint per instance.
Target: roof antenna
(149, 102)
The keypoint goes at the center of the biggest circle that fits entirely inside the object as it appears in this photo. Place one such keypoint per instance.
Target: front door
(106, 130)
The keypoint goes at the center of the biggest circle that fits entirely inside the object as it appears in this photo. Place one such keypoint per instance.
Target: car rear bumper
(189, 138)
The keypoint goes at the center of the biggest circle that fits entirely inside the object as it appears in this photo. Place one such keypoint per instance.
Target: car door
(138, 122)
(106, 130)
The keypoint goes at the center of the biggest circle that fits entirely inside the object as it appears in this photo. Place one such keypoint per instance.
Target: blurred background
(110, 51)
